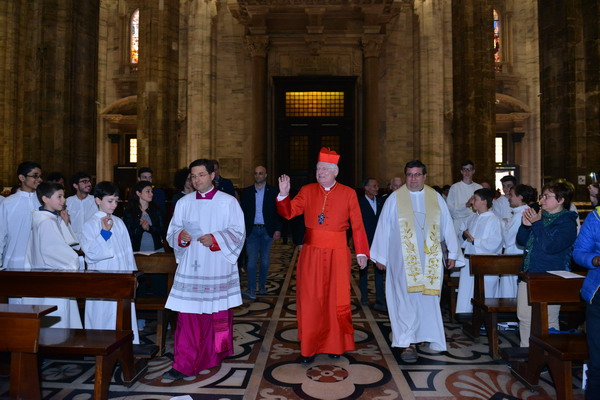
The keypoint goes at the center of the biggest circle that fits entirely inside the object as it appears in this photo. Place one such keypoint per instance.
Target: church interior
(109, 86)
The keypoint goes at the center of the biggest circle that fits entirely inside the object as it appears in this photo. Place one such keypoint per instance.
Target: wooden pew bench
(20, 327)
(558, 351)
(159, 263)
(490, 311)
(107, 346)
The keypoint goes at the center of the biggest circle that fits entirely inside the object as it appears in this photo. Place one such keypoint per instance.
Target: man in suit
(221, 183)
(263, 225)
(370, 207)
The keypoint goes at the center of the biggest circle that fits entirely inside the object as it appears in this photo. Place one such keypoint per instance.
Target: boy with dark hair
(502, 205)
(459, 195)
(81, 206)
(49, 247)
(15, 216)
(56, 177)
(482, 234)
(107, 246)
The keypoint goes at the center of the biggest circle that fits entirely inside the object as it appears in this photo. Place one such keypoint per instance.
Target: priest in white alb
(408, 241)
(207, 233)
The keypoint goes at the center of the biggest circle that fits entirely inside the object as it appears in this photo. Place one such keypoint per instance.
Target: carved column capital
(258, 45)
(371, 45)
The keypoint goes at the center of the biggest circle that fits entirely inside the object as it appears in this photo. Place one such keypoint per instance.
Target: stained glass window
(134, 37)
(497, 44)
(314, 104)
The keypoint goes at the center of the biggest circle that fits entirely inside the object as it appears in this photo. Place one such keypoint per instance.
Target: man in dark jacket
(370, 207)
(262, 227)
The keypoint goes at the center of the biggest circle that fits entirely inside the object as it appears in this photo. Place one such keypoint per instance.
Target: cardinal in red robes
(323, 270)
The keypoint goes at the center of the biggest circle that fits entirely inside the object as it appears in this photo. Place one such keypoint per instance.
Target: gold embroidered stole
(423, 280)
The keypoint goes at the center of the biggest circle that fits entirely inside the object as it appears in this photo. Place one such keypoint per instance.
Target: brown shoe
(409, 355)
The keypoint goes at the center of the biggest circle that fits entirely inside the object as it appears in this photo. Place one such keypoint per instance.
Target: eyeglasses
(546, 196)
(415, 175)
(320, 169)
(34, 176)
(467, 169)
(84, 181)
(199, 175)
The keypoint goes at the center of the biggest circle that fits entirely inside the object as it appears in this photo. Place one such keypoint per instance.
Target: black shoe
(334, 356)
(174, 375)
(307, 360)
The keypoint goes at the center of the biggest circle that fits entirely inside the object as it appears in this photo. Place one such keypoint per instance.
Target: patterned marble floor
(264, 364)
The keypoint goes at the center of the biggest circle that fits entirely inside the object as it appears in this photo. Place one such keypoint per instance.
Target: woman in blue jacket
(587, 254)
(548, 237)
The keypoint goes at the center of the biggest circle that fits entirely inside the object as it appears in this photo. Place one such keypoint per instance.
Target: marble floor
(264, 364)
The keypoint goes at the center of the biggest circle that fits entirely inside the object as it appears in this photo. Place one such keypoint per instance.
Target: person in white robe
(49, 247)
(207, 232)
(501, 206)
(107, 247)
(482, 234)
(519, 196)
(81, 206)
(459, 195)
(15, 216)
(408, 244)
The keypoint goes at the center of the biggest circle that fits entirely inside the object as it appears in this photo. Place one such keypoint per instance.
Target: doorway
(310, 113)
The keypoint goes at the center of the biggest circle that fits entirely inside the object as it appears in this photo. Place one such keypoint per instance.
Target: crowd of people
(409, 235)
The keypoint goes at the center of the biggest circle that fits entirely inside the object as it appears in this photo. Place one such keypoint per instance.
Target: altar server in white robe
(460, 193)
(207, 232)
(50, 247)
(81, 206)
(482, 234)
(501, 206)
(408, 244)
(519, 197)
(107, 247)
(15, 216)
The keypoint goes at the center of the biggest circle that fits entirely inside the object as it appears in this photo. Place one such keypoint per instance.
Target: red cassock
(323, 270)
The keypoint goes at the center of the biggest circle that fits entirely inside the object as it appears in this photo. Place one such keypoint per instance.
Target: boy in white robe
(460, 193)
(15, 216)
(82, 205)
(49, 247)
(482, 234)
(107, 247)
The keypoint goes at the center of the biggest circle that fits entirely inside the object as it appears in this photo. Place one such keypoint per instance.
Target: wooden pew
(487, 310)
(557, 350)
(107, 346)
(20, 327)
(159, 263)
(449, 294)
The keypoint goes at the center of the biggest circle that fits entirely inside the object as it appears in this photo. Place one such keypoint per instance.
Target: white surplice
(114, 254)
(15, 227)
(48, 248)
(508, 283)
(80, 211)
(458, 196)
(206, 281)
(414, 317)
(486, 228)
(501, 207)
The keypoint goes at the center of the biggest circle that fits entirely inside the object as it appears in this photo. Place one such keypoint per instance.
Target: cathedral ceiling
(335, 17)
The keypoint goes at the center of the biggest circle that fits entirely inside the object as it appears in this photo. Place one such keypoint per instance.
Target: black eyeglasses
(34, 176)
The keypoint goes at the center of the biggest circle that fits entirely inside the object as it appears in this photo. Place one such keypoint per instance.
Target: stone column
(473, 122)
(372, 151)
(158, 88)
(570, 89)
(258, 46)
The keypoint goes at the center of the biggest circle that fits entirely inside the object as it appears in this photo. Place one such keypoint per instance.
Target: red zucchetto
(328, 156)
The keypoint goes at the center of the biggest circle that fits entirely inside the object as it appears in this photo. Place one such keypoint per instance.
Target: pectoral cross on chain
(321, 218)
